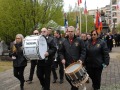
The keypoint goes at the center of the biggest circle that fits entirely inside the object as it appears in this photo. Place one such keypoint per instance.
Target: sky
(91, 4)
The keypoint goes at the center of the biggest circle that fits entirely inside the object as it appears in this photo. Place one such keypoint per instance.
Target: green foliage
(118, 28)
(71, 16)
(22, 16)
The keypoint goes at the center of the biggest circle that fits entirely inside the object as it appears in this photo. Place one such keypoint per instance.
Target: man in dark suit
(33, 63)
(44, 65)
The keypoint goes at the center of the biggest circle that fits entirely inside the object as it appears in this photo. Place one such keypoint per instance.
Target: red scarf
(94, 42)
(71, 40)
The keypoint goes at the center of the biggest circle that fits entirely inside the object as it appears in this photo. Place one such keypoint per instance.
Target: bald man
(44, 65)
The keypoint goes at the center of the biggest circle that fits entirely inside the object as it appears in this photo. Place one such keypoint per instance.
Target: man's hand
(63, 61)
(46, 54)
(80, 61)
(104, 66)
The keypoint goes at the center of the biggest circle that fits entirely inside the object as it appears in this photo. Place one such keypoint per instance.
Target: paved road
(110, 77)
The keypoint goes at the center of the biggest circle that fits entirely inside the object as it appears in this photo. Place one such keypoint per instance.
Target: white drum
(34, 47)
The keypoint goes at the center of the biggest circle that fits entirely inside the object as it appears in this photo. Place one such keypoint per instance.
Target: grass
(5, 65)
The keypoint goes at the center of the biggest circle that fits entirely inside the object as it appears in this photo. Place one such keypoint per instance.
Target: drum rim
(75, 70)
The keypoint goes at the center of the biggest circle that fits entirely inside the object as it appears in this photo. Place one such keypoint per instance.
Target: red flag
(97, 19)
(79, 2)
(98, 22)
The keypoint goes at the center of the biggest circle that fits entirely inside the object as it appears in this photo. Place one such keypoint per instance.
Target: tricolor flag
(79, 2)
(85, 8)
(65, 22)
(98, 22)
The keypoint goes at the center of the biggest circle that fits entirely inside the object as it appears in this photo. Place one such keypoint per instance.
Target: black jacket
(97, 54)
(51, 50)
(20, 59)
(72, 52)
(58, 42)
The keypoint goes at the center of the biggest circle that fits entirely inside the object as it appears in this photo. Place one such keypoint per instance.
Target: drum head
(42, 46)
(72, 67)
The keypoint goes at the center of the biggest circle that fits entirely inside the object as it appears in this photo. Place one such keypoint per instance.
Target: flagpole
(86, 22)
(80, 20)
(79, 2)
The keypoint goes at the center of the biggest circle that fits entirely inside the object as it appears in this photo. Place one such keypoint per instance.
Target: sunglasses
(36, 33)
(70, 31)
(18, 38)
(93, 34)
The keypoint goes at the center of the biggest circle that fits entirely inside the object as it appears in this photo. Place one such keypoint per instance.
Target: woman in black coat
(97, 57)
(19, 61)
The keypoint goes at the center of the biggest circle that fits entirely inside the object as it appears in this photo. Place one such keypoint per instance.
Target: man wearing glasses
(44, 65)
(33, 63)
(72, 50)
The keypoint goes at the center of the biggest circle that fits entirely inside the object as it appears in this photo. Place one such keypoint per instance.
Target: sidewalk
(110, 77)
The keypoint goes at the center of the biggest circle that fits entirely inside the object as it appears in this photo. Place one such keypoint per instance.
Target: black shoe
(29, 81)
(54, 81)
(42, 88)
(61, 81)
(21, 88)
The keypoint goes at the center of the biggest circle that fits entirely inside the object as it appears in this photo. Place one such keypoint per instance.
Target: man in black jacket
(72, 50)
(44, 65)
(33, 63)
(57, 62)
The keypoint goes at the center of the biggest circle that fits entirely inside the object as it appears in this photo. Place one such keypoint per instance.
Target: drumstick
(64, 66)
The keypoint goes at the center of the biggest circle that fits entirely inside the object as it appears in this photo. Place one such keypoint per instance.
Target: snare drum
(34, 47)
(76, 73)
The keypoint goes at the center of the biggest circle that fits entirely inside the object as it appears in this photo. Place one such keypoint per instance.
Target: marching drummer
(72, 50)
(33, 63)
(44, 65)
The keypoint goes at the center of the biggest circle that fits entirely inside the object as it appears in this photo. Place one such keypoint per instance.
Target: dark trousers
(32, 69)
(19, 74)
(72, 87)
(95, 75)
(43, 74)
(61, 70)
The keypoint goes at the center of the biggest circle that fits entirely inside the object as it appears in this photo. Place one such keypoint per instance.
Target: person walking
(19, 61)
(97, 58)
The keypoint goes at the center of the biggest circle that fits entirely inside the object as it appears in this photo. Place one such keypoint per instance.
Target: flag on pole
(79, 2)
(65, 22)
(77, 23)
(85, 8)
(98, 22)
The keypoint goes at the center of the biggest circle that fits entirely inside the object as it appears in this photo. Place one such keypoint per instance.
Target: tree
(22, 16)
(118, 28)
(73, 13)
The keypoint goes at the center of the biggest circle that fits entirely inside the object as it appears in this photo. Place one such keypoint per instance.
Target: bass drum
(34, 47)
